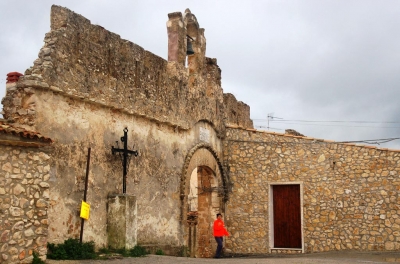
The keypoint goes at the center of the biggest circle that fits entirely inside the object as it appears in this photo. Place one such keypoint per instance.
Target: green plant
(71, 249)
(123, 252)
(36, 259)
(56, 252)
(104, 250)
(137, 251)
(159, 252)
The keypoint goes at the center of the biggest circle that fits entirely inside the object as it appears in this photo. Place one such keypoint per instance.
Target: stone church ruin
(198, 154)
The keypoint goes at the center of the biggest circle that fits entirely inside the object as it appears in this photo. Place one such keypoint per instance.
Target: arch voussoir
(186, 170)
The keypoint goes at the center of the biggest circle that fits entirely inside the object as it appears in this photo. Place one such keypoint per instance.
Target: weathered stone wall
(350, 198)
(87, 85)
(154, 177)
(24, 202)
(236, 113)
(90, 63)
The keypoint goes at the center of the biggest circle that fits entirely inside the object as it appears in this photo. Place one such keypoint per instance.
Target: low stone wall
(24, 197)
(350, 194)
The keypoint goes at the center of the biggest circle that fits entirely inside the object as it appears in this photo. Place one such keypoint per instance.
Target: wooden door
(205, 220)
(287, 218)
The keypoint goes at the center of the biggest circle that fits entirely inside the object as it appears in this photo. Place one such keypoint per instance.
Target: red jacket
(219, 229)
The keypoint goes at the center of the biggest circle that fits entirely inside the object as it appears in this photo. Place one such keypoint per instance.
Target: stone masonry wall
(351, 194)
(86, 86)
(154, 176)
(89, 63)
(236, 112)
(24, 201)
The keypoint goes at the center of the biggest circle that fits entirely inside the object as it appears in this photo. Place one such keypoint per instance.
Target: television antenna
(270, 116)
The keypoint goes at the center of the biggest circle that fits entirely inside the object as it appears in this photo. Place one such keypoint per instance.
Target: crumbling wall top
(61, 17)
(88, 63)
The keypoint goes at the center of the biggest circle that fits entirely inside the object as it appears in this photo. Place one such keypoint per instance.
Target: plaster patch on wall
(204, 135)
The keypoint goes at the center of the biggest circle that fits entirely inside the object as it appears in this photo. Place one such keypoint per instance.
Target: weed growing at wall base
(71, 249)
(138, 251)
(36, 259)
(159, 252)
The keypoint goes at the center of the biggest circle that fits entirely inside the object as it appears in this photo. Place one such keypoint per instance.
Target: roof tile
(6, 128)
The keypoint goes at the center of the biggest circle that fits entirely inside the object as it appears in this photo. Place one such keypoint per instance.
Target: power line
(339, 123)
(274, 128)
(279, 120)
(366, 141)
(335, 125)
(371, 141)
(320, 121)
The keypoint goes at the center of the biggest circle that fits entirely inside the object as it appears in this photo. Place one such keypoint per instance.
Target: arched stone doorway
(203, 204)
(204, 192)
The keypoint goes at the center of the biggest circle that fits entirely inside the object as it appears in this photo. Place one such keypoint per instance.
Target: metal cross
(126, 153)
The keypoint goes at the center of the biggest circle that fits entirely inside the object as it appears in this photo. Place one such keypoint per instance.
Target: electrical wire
(371, 141)
(367, 141)
(335, 125)
(309, 122)
(270, 127)
(320, 121)
(278, 120)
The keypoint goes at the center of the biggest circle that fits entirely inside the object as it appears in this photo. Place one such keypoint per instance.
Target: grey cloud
(308, 60)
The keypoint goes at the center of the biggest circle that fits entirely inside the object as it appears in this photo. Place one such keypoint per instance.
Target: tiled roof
(22, 133)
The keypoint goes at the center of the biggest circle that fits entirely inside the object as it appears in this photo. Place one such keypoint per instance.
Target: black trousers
(219, 247)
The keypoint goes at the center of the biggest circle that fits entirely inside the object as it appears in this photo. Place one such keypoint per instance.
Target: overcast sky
(308, 60)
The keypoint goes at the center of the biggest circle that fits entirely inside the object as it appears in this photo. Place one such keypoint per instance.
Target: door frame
(271, 215)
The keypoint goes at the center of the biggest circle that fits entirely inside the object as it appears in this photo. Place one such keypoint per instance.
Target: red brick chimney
(13, 77)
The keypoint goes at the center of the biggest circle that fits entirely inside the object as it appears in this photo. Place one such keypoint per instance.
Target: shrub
(36, 259)
(122, 251)
(104, 250)
(137, 251)
(71, 249)
(159, 252)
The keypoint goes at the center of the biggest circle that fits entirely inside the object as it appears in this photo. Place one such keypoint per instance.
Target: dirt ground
(323, 258)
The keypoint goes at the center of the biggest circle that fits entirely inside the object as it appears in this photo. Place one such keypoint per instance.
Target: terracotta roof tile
(22, 132)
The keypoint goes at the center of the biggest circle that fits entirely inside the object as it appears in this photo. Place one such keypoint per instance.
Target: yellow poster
(85, 210)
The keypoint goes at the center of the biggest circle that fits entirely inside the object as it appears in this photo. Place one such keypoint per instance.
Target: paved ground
(323, 258)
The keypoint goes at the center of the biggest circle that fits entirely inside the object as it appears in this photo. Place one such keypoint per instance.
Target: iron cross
(126, 153)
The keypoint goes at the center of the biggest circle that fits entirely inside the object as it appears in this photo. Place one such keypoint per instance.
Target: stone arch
(188, 168)
(204, 161)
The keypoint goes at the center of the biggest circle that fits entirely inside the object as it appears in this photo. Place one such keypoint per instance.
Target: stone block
(16, 211)
(18, 189)
(122, 221)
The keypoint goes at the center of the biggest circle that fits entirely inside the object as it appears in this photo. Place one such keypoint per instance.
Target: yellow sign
(85, 210)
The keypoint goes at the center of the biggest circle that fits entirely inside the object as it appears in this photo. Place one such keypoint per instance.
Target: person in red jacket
(219, 233)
